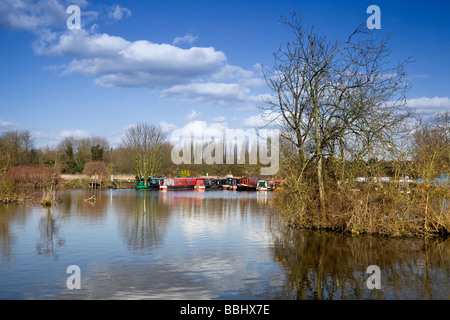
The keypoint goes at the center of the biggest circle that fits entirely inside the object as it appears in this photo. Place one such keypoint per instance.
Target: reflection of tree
(49, 240)
(9, 215)
(7, 239)
(142, 219)
(322, 265)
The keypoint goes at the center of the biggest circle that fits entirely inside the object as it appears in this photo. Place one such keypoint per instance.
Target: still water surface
(201, 245)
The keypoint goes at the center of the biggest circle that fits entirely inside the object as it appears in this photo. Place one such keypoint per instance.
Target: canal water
(132, 244)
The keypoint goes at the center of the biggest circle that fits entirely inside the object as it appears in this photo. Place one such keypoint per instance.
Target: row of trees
(144, 152)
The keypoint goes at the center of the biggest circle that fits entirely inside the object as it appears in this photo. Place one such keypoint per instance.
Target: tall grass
(388, 209)
(19, 181)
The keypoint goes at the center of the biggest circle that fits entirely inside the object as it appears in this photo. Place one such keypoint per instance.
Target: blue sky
(183, 63)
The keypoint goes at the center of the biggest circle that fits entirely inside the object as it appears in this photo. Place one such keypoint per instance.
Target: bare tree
(15, 148)
(432, 147)
(335, 98)
(144, 142)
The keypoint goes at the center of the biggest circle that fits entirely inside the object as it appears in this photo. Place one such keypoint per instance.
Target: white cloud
(5, 123)
(81, 44)
(429, 107)
(201, 130)
(196, 73)
(117, 13)
(39, 16)
(32, 15)
(193, 115)
(231, 84)
(117, 62)
(263, 119)
(53, 138)
(246, 108)
(221, 93)
(167, 126)
(189, 38)
(219, 119)
(75, 133)
(254, 121)
(237, 74)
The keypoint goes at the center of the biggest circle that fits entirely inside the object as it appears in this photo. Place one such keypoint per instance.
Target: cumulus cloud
(201, 130)
(229, 85)
(118, 12)
(193, 115)
(429, 107)
(116, 62)
(219, 119)
(219, 93)
(5, 124)
(31, 15)
(53, 138)
(195, 73)
(263, 119)
(167, 126)
(247, 78)
(189, 38)
(38, 16)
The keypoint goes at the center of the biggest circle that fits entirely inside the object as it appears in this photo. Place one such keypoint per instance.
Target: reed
(371, 208)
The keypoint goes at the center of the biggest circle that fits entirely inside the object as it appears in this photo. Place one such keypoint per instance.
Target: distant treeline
(22, 161)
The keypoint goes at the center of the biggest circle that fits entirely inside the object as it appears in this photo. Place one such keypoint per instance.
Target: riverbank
(80, 181)
(33, 193)
(385, 209)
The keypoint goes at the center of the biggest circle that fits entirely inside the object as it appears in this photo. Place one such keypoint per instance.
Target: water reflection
(50, 239)
(322, 265)
(142, 221)
(7, 236)
(201, 245)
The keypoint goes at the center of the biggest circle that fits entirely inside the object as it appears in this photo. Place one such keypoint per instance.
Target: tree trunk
(319, 158)
(320, 182)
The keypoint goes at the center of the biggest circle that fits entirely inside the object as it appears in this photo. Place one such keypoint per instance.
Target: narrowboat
(147, 183)
(276, 184)
(217, 183)
(247, 184)
(231, 184)
(262, 185)
(178, 184)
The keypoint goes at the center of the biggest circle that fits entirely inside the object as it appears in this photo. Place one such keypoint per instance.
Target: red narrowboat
(247, 184)
(178, 184)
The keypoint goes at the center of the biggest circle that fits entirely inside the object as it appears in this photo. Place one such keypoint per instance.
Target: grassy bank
(388, 209)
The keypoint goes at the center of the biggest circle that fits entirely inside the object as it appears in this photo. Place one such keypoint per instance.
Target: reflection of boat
(199, 185)
(147, 183)
(178, 184)
(261, 185)
(247, 184)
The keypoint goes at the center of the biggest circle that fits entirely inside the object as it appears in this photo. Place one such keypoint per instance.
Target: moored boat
(276, 184)
(178, 184)
(147, 183)
(247, 184)
(199, 185)
(262, 185)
